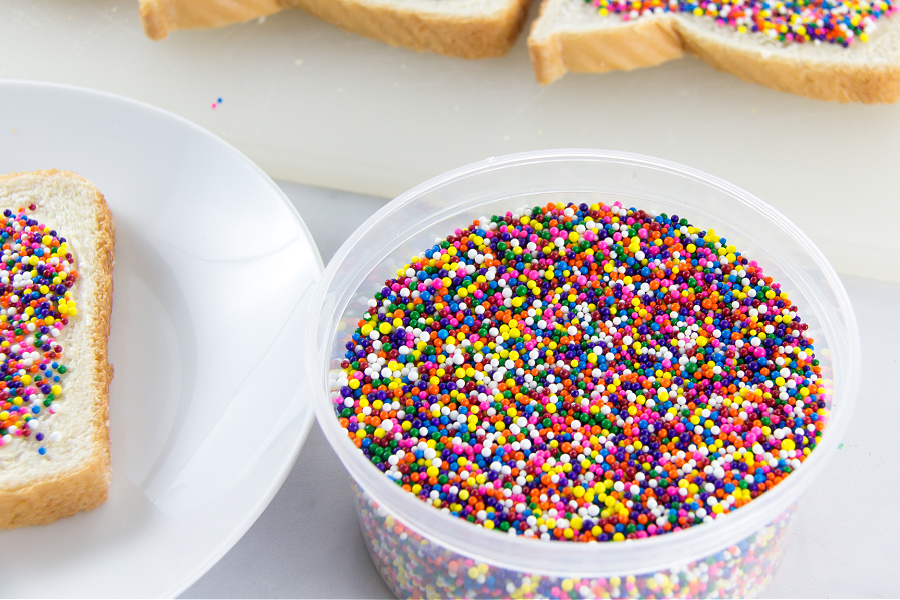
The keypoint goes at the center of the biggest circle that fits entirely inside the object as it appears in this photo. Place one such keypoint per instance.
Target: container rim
(560, 557)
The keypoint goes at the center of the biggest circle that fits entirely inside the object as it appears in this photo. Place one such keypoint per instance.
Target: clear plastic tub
(422, 552)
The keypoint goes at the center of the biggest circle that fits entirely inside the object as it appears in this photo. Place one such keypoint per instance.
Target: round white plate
(208, 406)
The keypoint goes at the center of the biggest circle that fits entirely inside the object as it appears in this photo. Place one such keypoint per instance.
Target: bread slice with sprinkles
(829, 50)
(56, 260)
(458, 28)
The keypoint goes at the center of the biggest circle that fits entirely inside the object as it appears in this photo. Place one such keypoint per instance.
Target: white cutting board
(312, 104)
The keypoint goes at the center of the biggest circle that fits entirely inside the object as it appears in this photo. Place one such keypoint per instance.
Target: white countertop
(307, 544)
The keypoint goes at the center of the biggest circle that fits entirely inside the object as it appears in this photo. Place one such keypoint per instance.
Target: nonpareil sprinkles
(580, 372)
(839, 22)
(36, 274)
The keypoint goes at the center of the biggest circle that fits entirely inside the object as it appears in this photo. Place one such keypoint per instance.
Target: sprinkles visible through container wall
(36, 275)
(585, 373)
(414, 566)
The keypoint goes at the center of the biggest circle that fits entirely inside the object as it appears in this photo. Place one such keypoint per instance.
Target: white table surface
(307, 543)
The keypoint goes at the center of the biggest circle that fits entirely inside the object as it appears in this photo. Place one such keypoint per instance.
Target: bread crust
(159, 17)
(86, 486)
(51, 499)
(644, 43)
(456, 33)
(836, 82)
(556, 48)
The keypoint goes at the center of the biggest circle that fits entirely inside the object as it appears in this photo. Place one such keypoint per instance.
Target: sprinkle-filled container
(421, 550)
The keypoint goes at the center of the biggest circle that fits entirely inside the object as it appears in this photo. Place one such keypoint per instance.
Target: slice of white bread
(458, 28)
(74, 472)
(570, 35)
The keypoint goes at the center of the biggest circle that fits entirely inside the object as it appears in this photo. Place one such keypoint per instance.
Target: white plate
(208, 408)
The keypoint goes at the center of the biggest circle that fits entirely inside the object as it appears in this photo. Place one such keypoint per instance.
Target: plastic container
(421, 551)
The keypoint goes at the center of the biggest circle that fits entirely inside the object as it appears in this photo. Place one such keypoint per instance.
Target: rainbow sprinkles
(816, 21)
(586, 373)
(36, 275)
